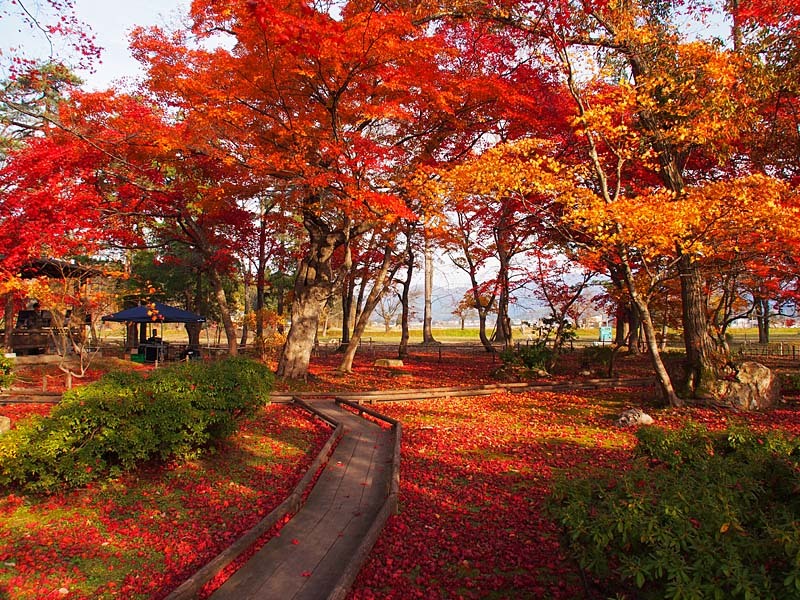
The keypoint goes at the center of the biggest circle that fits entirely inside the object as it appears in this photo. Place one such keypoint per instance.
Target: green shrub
(124, 419)
(7, 375)
(532, 356)
(699, 515)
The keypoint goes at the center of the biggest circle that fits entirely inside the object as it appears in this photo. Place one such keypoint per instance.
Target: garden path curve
(320, 550)
(311, 557)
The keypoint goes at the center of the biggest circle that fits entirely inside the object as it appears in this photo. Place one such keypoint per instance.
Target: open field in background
(176, 332)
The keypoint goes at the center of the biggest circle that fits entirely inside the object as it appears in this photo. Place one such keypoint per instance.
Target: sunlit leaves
(140, 536)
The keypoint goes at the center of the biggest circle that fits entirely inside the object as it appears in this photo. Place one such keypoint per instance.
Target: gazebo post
(131, 342)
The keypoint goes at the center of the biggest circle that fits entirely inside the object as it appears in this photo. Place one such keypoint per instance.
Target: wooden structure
(34, 331)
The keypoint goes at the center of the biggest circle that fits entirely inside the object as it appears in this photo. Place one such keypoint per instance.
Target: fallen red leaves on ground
(143, 534)
(474, 476)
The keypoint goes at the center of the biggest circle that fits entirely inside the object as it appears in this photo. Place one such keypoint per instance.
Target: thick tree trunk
(427, 318)
(193, 331)
(306, 307)
(312, 288)
(700, 366)
(225, 312)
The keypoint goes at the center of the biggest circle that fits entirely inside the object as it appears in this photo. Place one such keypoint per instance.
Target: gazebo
(154, 313)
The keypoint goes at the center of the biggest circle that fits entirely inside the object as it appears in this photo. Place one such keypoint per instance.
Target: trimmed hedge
(699, 515)
(124, 419)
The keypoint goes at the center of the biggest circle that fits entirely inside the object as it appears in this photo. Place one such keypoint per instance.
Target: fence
(778, 354)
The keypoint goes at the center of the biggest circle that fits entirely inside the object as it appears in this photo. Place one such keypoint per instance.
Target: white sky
(110, 21)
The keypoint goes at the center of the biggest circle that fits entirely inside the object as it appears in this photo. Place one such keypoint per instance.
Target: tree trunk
(378, 289)
(502, 334)
(487, 343)
(247, 310)
(634, 328)
(700, 367)
(312, 288)
(427, 319)
(762, 319)
(308, 302)
(405, 297)
(348, 294)
(224, 311)
(662, 376)
(9, 321)
(261, 276)
(665, 327)
(193, 331)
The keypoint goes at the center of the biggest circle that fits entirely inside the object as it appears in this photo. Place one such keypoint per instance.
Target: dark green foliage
(124, 420)
(699, 515)
(532, 356)
(597, 355)
(790, 382)
(602, 357)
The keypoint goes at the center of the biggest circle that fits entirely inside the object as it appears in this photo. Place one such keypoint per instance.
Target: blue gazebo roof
(155, 312)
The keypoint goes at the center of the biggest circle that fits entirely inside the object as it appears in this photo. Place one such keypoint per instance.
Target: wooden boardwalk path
(321, 549)
(312, 556)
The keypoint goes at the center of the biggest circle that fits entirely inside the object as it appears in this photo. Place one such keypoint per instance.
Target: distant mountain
(446, 299)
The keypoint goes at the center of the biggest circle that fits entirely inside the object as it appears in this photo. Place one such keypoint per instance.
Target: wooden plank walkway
(307, 560)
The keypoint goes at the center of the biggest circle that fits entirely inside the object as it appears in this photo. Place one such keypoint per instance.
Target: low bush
(698, 515)
(125, 419)
(533, 356)
(7, 375)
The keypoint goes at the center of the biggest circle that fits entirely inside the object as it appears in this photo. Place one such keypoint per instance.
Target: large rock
(392, 363)
(754, 387)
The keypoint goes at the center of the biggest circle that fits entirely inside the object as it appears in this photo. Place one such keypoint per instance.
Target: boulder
(752, 387)
(633, 417)
(5, 425)
(392, 363)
